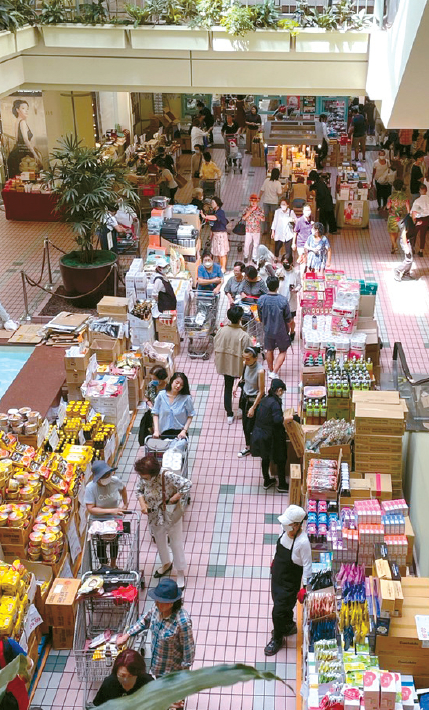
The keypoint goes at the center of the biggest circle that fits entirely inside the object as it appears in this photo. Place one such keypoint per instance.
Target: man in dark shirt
(416, 177)
(229, 129)
(324, 202)
(358, 132)
(207, 119)
(274, 314)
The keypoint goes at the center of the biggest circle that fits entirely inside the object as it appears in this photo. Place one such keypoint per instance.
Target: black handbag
(240, 228)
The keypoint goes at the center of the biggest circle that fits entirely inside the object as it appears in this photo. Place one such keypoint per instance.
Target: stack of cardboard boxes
(60, 609)
(258, 153)
(168, 333)
(76, 361)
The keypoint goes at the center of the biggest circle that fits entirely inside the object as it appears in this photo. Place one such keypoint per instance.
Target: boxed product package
(60, 604)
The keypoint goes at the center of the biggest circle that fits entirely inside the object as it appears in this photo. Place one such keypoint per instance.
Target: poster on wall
(308, 104)
(292, 105)
(353, 213)
(23, 140)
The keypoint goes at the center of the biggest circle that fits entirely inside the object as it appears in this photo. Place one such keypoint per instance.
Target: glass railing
(413, 387)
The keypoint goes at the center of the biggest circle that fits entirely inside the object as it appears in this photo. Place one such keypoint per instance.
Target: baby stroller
(233, 161)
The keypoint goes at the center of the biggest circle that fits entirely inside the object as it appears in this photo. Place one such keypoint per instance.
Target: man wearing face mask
(162, 289)
(290, 285)
(105, 498)
(303, 229)
(291, 566)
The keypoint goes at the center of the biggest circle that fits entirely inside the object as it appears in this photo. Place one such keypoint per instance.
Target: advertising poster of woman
(24, 140)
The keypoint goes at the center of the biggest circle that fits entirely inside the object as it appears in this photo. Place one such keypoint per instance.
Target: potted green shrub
(63, 25)
(166, 24)
(84, 184)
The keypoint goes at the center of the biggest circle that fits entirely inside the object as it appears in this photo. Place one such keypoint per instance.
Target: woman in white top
(271, 190)
(166, 181)
(282, 229)
(381, 175)
(197, 134)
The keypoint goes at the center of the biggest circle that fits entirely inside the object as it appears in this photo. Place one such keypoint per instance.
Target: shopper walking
(300, 193)
(253, 125)
(324, 202)
(210, 276)
(162, 496)
(219, 235)
(416, 177)
(408, 243)
(269, 436)
(197, 133)
(209, 170)
(229, 130)
(290, 286)
(420, 215)
(162, 291)
(381, 176)
(105, 497)
(172, 645)
(290, 568)
(274, 314)
(206, 118)
(270, 193)
(229, 345)
(253, 286)
(317, 250)
(357, 131)
(253, 216)
(252, 386)
(303, 230)
(128, 675)
(196, 163)
(156, 385)
(322, 140)
(405, 142)
(234, 285)
(282, 229)
(398, 206)
(167, 183)
(173, 409)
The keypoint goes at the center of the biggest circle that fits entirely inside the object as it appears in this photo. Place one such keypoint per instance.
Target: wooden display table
(30, 206)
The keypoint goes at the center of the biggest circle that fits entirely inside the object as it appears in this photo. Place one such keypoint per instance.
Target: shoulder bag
(240, 228)
(172, 512)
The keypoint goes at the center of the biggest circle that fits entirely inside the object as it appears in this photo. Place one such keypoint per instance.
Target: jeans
(174, 533)
(407, 264)
(383, 193)
(288, 248)
(248, 422)
(327, 217)
(227, 394)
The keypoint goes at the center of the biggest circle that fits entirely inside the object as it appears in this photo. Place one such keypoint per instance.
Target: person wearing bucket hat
(291, 566)
(173, 647)
(105, 497)
(269, 436)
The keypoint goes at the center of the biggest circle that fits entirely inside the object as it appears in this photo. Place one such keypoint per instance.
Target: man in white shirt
(420, 215)
(380, 174)
(322, 140)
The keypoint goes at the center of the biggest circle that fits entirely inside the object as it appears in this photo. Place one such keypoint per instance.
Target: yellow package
(6, 625)
(10, 583)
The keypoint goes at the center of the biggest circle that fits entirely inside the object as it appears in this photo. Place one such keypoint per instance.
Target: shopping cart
(158, 447)
(125, 543)
(211, 188)
(95, 615)
(252, 325)
(200, 324)
(233, 156)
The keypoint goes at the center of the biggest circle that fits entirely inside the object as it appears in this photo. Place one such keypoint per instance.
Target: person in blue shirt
(274, 314)
(210, 276)
(219, 236)
(173, 409)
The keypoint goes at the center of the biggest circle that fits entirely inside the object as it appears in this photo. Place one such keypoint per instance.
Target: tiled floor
(231, 525)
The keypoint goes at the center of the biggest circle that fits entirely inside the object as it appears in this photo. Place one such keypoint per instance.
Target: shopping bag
(240, 228)
(181, 181)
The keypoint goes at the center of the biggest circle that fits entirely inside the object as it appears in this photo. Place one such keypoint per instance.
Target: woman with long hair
(173, 409)
(23, 139)
(271, 191)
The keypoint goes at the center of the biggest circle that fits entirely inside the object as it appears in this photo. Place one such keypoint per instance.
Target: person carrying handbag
(252, 389)
(162, 496)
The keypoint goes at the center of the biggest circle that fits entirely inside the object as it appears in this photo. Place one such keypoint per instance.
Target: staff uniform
(269, 437)
(291, 564)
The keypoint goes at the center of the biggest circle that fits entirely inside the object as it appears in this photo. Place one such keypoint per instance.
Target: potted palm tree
(84, 183)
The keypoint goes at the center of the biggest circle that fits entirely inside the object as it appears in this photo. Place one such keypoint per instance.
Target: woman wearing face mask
(269, 436)
(156, 385)
(173, 409)
(290, 285)
(162, 289)
(172, 647)
(282, 229)
(162, 495)
(105, 498)
(252, 384)
(291, 566)
(219, 235)
(128, 675)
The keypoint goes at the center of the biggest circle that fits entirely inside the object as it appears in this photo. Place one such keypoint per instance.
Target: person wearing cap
(172, 646)
(269, 436)
(105, 497)
(290, 568)
(252, 216)
(162, 290)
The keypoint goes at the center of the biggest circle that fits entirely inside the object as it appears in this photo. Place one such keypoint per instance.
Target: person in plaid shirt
(172, 647)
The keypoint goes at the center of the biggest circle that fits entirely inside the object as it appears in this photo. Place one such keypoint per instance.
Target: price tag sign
(54, 438)
(66, 572)
(83, 521)
(61, 413)
(74, 542)
(32, 621)
(422, 624)
(91, 369)
(42, 433)
(91, 414)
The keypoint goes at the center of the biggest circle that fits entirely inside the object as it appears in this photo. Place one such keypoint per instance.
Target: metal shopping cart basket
(211, 188)
(200, 324)
(124, 544)
(158, 447)
(234, 159)
(252, 325)
(94, 616)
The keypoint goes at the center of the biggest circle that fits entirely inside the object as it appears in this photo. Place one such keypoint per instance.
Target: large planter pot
(26, 38)
(315, 39)
(82, 279)
(84, 36)
(169, 37)
(7, 44)
(258, 41)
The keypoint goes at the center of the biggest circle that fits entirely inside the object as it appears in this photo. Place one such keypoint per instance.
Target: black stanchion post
(26, 318)
(50, 285)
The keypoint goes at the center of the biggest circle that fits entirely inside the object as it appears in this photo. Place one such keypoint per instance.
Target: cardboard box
(77, 362)
(74, 393)
(193, 219)
(409, 532)
(375, 397)
(381, 569)
(387, 595)
(113, 306)
(360, 488)
(313, 376)
(367, 306)
(295, 484)
(105, 351)
(399, 598)
(380, 485)
(385, 445)
(62, 639)
(295, 433)
(76, 378)
(374, 420)
(185, 251)
(60, 605)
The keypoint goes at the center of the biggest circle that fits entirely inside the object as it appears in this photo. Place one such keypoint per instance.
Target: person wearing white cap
(162, 288)
(291, 565)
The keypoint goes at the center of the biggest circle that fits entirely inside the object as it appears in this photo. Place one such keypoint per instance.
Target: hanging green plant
(292, 26)
(238, 20)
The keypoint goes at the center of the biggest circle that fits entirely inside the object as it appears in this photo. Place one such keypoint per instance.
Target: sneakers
(283, 488)
(397, 275)
(292, 630)
(420, 253)
(269, 483)
(243, 452)
(271, 375)
(273, 647)
(230, 419)
(410, 276)
(292, 336)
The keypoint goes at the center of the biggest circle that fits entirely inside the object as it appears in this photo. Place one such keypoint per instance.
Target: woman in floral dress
(317, 250)
(398, 206)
